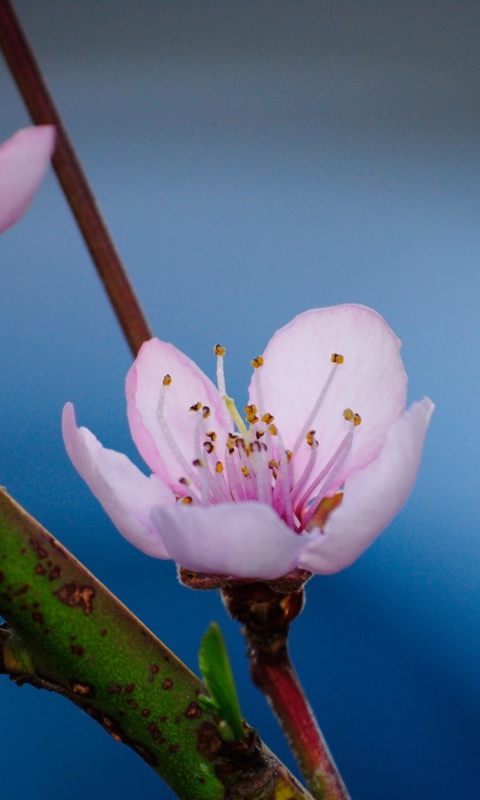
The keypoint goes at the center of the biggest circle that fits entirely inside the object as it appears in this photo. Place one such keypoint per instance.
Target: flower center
(255, 465)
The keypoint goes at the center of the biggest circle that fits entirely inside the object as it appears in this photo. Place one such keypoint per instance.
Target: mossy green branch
(66, 632)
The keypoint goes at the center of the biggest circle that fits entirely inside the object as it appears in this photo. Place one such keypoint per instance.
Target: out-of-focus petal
(24, 159)
(245, 540)
(372, 496)
(189, 386)
(371, 382)
(125, 493)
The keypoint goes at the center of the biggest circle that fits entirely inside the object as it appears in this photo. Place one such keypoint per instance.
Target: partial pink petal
(24, 159)
(125, 493)
(372, 495)
(189, 386)
(245, 540)
(371, 382)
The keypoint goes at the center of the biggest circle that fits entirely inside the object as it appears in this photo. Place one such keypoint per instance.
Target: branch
(67, 633)
(78, 193)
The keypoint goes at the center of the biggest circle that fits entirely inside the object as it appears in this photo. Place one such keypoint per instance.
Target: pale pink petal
(371, 382)
(125, 493)
(189, 386)
(24, 159)
(372, 495)
(245, 540)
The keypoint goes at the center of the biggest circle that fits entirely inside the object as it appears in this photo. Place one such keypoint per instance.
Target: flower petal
(245, 540)
(372, 495)
(189, 386)
(24, 159)
(125, 493)
(371, 382)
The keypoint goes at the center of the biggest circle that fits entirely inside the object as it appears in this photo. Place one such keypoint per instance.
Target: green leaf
(217, 674)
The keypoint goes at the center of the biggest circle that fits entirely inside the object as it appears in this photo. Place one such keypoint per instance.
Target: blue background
(255, 159)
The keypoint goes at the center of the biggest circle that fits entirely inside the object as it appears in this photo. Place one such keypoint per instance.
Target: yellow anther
(267, 418)
(187, 500)
(219, 467)
(212, 435)
(289, 455)
(231, 445)
(259, 434)
(252, 409)
(219, 350)
(209, 447)
(196, 407)
(357, 419)
(337, 358)
(273, 464)
(273, 429)
(167, 380)
(245, 472)
(310, 437)
(348, 414)
(205, 412)
(257, 362)
(198, 462)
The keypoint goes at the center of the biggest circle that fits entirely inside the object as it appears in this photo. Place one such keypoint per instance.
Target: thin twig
(41, 107)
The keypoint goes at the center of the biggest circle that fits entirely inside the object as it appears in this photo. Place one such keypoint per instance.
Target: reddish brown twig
(41, 107)
(266, 614)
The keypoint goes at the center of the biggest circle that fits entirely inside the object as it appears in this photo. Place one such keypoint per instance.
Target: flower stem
(78, 193)
(266, 615)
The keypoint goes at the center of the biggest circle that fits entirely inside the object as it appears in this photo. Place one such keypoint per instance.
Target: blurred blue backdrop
(255, 159)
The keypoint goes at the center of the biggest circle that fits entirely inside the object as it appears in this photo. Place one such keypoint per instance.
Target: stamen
(169, 436)
(267, 419)
(206, 412)
(219, 467)
(196, 407)
(333, 466)
(337, 360)
(187, 500)
(256, 364)
(184, 481)
(286, 483)
(211, 435)
(209, 447)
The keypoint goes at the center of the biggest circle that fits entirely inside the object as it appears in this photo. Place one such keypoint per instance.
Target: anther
(167, 380)
(209, 447)
(196, 407)
(273, 429)
(219, 467)
(348, 414)
(257, 362)
(273, 464)
(205, 412)
(357, 419)
(337, 358)
(198, 462)
(267, 419)
(211, 435)
(310, 437)
(259, 434)
(219, 350)
(187, 501)
(185, 481)
(245, 472)
(289, 456)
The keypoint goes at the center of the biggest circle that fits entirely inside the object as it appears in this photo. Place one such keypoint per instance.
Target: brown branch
(41, 107)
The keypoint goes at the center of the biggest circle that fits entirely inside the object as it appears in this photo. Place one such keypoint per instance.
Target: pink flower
(326, 457)
(24, 159)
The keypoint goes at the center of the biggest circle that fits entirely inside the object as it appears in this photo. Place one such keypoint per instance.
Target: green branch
(67, 633)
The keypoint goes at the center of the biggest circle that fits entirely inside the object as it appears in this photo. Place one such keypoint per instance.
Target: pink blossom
(325, 456)
(24, 160)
